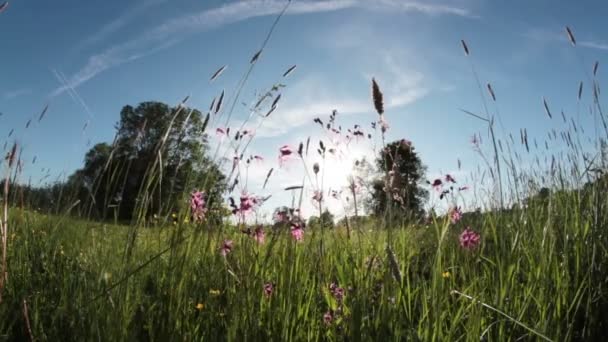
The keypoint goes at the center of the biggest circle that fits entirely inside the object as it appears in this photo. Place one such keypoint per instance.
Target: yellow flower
(186, 220)
(174, 215)
(214, 292)
(199, 306)
(446, 274)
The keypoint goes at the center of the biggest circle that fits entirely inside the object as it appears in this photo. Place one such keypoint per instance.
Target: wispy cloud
(118, 23)
(16, 93)
(176, 29)
(594, 45)
(547, 35)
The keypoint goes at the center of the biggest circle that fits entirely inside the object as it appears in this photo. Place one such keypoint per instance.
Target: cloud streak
(174, 30)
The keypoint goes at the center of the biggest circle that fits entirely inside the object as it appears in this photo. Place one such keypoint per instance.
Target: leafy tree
(326, 221)
(399, 187)
(158, 154)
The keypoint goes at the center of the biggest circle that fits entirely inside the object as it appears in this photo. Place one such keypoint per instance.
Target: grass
(538, 272)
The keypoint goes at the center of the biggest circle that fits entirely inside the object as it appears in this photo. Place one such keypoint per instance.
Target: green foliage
(402, 172)
(159, 154)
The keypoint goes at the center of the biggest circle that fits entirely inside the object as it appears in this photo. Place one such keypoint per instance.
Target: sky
(86, 60)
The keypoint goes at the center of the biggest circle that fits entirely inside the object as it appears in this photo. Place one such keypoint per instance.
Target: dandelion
(297, 232)
(199, 306)
(455, 215)
(268, 289)
(226, 247)
(469, 239)
(259, 235)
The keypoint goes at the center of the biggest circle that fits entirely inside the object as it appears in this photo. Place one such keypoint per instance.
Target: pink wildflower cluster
(445, 186)
(247, 204)
(297, 232)
(336, 291)
(455, 214)
(226, 247)
(268, 289)
(198, 206)
(469, 239)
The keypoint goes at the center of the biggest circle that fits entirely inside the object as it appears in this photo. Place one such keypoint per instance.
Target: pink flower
(297, 232)
(226, 247)
(220, 132)
(336, 291)
(318, 196)
(469, 239)
(197, 206)
(285, 154)
(268, 289)
(455, 215)
(383, 124)
(328, 318)
(259, 235)
(280, 217)
(258, 158)
(247, 205)
(449, 178)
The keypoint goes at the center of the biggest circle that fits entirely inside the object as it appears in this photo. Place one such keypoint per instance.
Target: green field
(538, 274)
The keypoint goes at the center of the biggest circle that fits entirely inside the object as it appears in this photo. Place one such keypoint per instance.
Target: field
(539, 274)
(158, 238)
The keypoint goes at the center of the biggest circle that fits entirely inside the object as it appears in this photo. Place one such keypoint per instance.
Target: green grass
(544, 267)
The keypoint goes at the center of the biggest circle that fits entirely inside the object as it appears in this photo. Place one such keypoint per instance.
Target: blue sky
(88, 59)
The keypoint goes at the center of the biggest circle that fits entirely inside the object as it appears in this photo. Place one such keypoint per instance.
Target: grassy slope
(543, 266)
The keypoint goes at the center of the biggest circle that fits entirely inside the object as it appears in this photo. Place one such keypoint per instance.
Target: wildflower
(455, 215)
(406, 143)
(247, 205)
(328, 317)
(258, 158)
(280, 216)
(449, 178)
(384, 126)
(446, 274)
(475, 141)
(317, 196)
(336, 291)
(297, 232)
(268, 289)
(199, 306)
(259, 235)
(220, 132)
(285, 152)
(437, 183)
(197, 206)
(469, 239)
(226, 247)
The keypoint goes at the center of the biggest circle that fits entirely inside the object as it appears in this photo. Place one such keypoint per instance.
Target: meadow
(530, 266)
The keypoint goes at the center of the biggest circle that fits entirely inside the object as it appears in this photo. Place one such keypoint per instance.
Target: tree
(158, 154)
(326, 221)
(399, 187)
